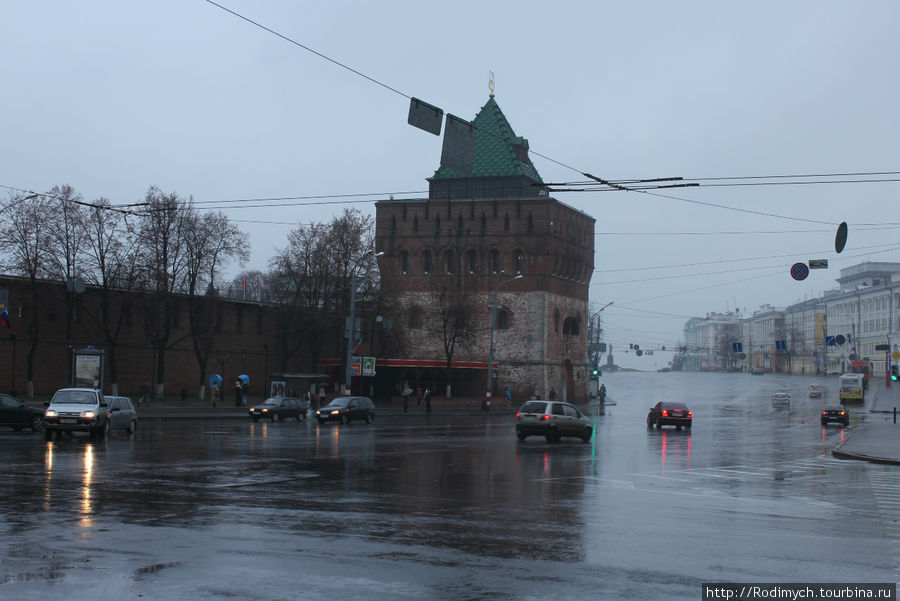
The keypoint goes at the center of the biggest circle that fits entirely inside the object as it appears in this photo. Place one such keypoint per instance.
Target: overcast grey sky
(113, 97)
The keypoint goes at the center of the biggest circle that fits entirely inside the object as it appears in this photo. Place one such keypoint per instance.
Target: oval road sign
(799, 271)
(840, 239)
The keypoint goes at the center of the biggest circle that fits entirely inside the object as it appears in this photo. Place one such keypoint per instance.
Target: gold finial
(491, 83)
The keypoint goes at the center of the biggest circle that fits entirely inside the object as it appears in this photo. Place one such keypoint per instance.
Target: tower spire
(491, 83)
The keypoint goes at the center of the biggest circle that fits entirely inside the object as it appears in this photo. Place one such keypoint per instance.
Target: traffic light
(894, 374)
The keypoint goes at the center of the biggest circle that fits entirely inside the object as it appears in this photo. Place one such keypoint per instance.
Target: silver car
(781, 398)
(552, 420)
(121, 414)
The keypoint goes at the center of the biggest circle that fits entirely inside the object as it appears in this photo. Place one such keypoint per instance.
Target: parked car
(781, 398)
(18, 415)
(670, 413)
(77, 409)
(835, 413)
(345, 409)
(815, 391)
(121, 414)
(552, 420)
(279, 408)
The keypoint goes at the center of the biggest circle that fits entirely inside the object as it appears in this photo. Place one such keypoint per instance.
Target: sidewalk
(877, 437)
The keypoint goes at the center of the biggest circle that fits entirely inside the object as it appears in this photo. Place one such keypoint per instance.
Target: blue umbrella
(244, 378)
(215, 379)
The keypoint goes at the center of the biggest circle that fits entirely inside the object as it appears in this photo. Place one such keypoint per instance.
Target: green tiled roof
(498, 150)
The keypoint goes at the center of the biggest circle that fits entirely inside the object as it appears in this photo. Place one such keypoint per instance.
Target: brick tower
(493, 232)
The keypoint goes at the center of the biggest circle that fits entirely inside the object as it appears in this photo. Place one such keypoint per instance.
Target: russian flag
(4, 317)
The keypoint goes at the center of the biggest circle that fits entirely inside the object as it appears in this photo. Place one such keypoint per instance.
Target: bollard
(895, 415)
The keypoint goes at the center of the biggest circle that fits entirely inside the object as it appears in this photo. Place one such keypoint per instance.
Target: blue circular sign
(799, 271)
(839, 339)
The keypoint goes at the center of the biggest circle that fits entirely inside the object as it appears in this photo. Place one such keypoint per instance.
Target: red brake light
(690, 414)
(518, 416)
(665, 413)
(545, 417)
(824, 413)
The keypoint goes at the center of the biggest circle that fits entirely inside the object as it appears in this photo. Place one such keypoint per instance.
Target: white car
(781, 398)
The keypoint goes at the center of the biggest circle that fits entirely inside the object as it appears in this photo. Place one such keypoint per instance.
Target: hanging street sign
(818, 263)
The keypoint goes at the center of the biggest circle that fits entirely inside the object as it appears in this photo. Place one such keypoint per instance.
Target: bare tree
(455, 312)
(163, 231)
(26, 242)
(726, 336)
(111, 266)
(211, 241)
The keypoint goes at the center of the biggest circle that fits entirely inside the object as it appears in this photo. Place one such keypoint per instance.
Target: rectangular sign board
(818, 263)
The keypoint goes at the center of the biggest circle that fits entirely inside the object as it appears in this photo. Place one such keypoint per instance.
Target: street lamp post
(490, 378)
(351, 324)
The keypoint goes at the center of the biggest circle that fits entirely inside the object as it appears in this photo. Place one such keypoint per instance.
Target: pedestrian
(308, 398)
(552, 394)
(405, 393)
(238, 393)
(427, 397)
(418, 396)
(216, 390)
(321, 397)
(244, 387)
(509, 395)
(145, 393)
(602, 393)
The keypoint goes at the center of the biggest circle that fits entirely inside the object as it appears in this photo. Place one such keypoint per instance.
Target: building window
(530, 226)
(503, 320)
(437, 225)
(483, 223)
(450, 261)
(520, 262)
(426, 262)
(404, 262)
(460, 227)
(495, 261)
(506, 222)
(416, 222)
(472, 262)
(556, 321)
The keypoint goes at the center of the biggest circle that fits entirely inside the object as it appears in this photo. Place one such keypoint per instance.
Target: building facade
(492, 233)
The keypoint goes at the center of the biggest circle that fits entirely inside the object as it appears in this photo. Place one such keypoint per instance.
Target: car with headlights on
(77, 410)
(18, 415)
(345, 409)
(670, 413)
(552, 420)
(279, 408)
(835, 413)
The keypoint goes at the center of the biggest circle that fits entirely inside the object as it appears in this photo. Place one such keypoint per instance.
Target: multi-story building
(804, 335)
(494, 232)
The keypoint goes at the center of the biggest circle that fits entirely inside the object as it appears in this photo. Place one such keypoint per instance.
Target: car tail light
(689, 414)
(824, 413)
(518, 416)
(665, 413)
(545, 417)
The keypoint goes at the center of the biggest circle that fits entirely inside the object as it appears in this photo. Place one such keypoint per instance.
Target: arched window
(426, 262)
(472, 261)
(450, 261)
(520, 261)
(404, 262)
(503, 320)
(495, 261)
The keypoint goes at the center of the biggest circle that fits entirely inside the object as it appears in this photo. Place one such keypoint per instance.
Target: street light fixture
(490, 378)
(351, 325)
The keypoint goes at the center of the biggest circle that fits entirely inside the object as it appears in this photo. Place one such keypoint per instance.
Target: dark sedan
(279, 408)
(345, 409)
(667, 413)
(835, 413)
(18, 415)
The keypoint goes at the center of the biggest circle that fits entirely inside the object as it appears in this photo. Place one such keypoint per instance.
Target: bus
(852, 387)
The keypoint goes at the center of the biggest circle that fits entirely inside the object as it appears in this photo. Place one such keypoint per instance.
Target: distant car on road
(835, 413)
(279, 408)
(781, 398)
(345, 409)
(758, 371)
(552, 420)
(669, 413)
(18, 415)
(815, 391)
(121, 414)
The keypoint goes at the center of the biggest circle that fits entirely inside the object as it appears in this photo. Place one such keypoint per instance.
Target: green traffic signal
(894, 374)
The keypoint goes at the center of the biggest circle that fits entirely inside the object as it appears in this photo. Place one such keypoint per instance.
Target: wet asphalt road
(452, 507)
